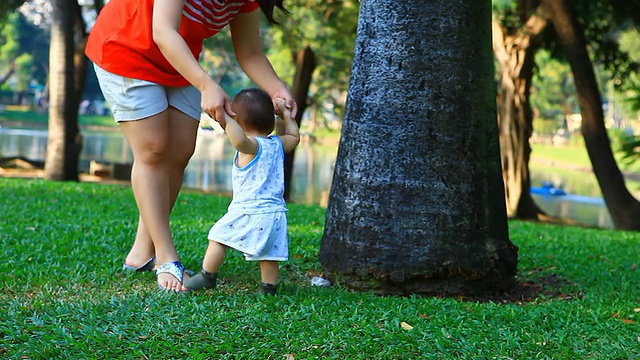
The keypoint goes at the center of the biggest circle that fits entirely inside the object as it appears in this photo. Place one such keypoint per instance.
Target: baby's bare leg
(269, 271)
(214, 257)
(207, 278)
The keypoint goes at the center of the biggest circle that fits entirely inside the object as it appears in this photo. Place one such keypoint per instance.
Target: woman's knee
(153, 151)
(180, 156)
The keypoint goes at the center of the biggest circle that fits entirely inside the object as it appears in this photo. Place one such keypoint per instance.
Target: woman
(146, 57)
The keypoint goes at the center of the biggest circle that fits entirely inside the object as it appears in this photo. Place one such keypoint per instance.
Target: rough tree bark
(417, 199)
(623, 207)
(514, 52)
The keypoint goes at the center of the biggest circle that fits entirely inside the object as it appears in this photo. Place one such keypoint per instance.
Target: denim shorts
(134, 99)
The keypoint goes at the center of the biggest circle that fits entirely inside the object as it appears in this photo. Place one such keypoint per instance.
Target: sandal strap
(174, 268)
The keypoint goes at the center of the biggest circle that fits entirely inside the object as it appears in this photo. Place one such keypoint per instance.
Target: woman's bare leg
(142, 249)
(208, 277)
(162, 145)
(183, 134)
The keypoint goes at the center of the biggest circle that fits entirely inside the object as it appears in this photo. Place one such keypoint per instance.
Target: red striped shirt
(121, 40)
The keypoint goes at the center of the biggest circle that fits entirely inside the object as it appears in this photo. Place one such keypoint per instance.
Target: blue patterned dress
(256, 220)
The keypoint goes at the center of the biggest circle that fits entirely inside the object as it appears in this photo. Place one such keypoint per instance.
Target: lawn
(20, 115)
(64, 295)
(575, 157)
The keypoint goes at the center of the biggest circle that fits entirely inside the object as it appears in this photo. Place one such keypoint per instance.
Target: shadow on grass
(535, 290)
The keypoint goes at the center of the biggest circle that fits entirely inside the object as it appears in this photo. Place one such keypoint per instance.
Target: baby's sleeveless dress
(256, 221)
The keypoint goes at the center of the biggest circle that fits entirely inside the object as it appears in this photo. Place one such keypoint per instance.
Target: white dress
(256, 220)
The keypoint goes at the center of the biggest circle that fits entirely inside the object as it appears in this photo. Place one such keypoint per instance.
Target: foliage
(629, 145)
(219, 60)
(64, 295)
(630, 42)
(605, 23)
(24, 46)
(7, 7)
(329, 29)
(608, 26)
(553, 93)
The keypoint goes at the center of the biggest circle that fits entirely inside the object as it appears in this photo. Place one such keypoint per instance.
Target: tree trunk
(305, 61)
(65, 141)
(514, 52)
(417, 199)
(623, 207)
(9, 72)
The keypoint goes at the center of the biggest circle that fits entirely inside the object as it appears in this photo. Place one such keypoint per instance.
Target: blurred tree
(67, 80)
(219, 60)
(314, 47)
(9, 48)
(630, 42)
(575, 26)
(23, 52)
(553, 95)
(64, 141)
(515, 35)
(326, 28)
(8, 7)
(623, 207)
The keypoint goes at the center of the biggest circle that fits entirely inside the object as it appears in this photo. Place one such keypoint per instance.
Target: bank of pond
(571, 194)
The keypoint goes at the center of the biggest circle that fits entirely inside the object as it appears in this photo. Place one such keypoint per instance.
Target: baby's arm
(240, 141)
(286, 127)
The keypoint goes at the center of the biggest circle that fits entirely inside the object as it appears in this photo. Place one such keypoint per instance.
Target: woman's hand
(289, 101)
(216, 103)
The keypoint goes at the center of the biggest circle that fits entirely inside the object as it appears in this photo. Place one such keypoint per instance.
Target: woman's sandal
(148, 266)
(174, 268)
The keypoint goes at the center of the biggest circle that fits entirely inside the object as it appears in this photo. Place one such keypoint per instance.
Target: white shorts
(133, 99)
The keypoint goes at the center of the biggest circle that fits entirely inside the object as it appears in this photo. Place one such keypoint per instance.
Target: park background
(570, 307)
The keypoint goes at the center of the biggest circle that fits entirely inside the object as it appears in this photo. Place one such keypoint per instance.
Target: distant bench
(116, 171)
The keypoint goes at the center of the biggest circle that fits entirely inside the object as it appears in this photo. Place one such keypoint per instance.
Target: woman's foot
(171, 276)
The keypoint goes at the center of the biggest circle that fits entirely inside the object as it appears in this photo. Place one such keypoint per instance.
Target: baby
(256, 221)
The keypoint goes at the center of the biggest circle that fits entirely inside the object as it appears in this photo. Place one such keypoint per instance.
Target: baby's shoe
(269, 289)
(202, 280)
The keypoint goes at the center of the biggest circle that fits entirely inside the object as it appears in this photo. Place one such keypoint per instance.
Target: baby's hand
(281, 109)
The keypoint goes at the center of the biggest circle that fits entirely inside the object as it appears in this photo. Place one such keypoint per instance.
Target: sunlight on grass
(64, 295)
(24, 117)
(573, 156)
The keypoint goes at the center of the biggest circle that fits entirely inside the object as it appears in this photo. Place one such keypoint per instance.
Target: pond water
(209, 170)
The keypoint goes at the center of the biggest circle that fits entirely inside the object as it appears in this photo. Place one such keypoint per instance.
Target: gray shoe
(202, 280)
(269, 289)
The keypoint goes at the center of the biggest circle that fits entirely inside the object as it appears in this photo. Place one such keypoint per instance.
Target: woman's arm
(167, 15)
(245, 33)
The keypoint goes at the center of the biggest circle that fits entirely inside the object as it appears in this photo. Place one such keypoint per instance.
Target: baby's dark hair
(254, 110)
(267, 8)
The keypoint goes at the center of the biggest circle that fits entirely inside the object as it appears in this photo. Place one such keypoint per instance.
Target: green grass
(64, 296)
(25, 117)
(575, 156)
